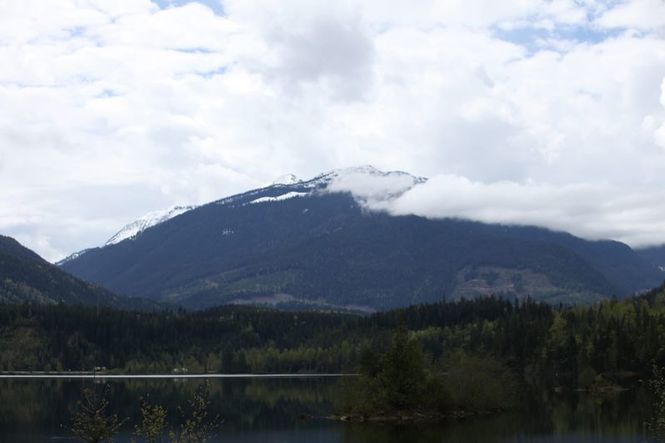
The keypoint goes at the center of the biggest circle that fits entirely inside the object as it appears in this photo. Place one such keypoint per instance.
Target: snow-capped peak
(367, 183)
(332, 180)
(362, 171)
(286, 179)
(149, 220)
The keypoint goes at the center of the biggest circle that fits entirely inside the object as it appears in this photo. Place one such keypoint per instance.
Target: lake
(267, 410)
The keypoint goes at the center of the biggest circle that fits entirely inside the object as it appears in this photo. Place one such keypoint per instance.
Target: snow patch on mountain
(147, 221)
(71, 257)
(286, 196)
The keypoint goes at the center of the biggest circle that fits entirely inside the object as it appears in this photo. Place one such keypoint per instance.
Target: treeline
(227, 339)
(581, 346)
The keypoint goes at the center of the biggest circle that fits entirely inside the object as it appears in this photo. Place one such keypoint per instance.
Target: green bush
(398, 380)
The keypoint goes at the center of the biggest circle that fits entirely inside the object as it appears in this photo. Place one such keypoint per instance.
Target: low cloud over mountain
(631, 214)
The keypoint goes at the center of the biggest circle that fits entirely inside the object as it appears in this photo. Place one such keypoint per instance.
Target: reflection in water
(267, 410)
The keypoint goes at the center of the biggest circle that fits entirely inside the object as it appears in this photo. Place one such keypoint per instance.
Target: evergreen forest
(608, 343)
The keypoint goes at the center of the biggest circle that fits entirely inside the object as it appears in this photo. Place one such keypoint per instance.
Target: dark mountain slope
(11, 247)
(26, 277)
(324, 249)
(654, 255)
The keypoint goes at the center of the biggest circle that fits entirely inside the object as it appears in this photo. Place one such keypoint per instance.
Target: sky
(546, 112)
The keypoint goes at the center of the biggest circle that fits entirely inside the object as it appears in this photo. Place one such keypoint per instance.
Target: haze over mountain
(26, 277)
(319, 242)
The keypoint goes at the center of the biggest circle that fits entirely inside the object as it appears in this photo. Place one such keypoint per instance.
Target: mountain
(654, 255)
(311, 243)
(26, 277)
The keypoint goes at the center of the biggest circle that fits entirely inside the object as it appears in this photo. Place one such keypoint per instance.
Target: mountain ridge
(25, 277)
(315, 242)
(317, 183)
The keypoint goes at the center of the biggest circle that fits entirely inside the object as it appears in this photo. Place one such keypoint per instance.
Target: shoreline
(83, 375)
(408, 417)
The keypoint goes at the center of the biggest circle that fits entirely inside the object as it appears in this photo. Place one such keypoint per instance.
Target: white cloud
(591, 211)
(635, 14)
(373, 188)
(659, 133)
(111, 109)
(595, 211)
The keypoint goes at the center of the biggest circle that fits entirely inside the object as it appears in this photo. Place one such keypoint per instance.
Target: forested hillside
(569, 346)
(26, 277)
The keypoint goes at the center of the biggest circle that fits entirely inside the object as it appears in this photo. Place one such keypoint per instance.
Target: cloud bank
(634, 216)
(546, 112)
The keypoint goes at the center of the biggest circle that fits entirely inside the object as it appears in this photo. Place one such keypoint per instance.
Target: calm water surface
(268, 410)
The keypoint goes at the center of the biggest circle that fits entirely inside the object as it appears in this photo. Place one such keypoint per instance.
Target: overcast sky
(544, 112)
